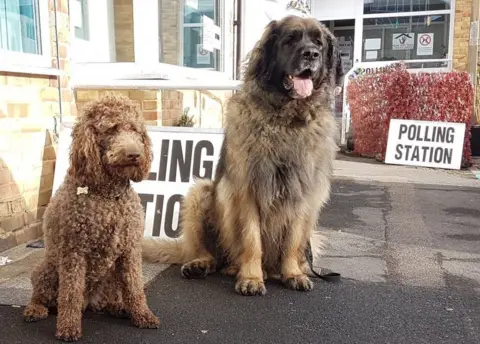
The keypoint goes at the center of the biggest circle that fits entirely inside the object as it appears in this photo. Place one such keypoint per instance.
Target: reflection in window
(405, 38)
(396, 6)
(19, 26)
(193, 54)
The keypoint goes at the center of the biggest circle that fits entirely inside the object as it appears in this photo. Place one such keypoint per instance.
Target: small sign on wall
(425, 44)
(403, 41)
(425, 143)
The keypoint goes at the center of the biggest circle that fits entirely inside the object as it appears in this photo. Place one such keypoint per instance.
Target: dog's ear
(147, 144)
(261, 59)
(85, 159)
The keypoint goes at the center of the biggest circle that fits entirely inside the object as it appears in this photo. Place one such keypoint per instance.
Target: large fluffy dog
(273, 177)
(94, 223)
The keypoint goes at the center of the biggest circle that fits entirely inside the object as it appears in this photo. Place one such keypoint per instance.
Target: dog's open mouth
(302, 83)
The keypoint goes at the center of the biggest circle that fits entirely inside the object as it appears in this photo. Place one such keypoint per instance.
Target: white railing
(100, 83)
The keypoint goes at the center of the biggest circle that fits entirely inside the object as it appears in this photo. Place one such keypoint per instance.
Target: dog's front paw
(302, 283)
(250, 287)
(197, 268)
(145, 319)
(35, 312)
(69, 334)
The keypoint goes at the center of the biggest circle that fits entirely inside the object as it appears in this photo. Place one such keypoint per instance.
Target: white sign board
(76, 14)
(192, 4)
(210, 31)
(179, 155)
(474, 33)
(403, 41)
(425, 143)
(203, 56)
(425, 44)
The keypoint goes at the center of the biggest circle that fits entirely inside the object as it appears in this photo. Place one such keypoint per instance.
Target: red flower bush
(374, 99)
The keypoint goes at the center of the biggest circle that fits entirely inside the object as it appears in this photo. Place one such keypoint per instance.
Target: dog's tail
(165, 251)
(197, 202)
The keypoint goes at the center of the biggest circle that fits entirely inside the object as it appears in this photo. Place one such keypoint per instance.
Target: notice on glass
(373, 43)
(371, 55)
(403, 41)
(203, 56)
(424, 44)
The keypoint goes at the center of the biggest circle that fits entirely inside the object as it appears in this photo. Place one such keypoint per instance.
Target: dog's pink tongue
(303, 87)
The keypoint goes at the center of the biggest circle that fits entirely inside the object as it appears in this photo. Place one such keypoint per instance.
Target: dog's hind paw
(35, 312)
(70, 334)
(145, 320)
(302, 283)
(250, 287)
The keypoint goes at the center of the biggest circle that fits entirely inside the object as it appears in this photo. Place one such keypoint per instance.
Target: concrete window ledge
(18, 69)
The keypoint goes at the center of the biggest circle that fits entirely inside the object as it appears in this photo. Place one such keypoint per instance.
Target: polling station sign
(179, 156)
(425, 143)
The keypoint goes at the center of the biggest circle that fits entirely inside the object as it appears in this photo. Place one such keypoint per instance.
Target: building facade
(56, 55)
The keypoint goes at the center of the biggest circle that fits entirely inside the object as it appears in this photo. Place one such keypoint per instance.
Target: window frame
(11, 59)
(219, 21)
(83, 32)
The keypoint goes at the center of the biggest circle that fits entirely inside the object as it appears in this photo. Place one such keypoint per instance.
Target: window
(396, 6)
(24, 32)
(193, 53)
(409, 30)
(406, 38)
(79, 16)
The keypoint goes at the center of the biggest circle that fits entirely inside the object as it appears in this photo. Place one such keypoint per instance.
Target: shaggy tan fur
(273, 177)
(92, 239)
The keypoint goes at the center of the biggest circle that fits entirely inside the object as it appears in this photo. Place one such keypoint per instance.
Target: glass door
(344, 31)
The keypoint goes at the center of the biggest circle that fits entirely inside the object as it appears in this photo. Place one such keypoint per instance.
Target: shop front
(372, 33)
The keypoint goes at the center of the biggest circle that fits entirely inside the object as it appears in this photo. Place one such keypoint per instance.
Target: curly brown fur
(273, 176)
(92, 240)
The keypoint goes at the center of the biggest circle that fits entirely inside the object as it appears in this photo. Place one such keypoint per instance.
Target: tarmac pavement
(406, 241)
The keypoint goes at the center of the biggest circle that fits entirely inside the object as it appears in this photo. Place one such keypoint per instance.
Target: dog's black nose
(311, 53)
(133, 156)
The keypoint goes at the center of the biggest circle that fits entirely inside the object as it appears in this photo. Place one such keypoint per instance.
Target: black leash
(329, 277)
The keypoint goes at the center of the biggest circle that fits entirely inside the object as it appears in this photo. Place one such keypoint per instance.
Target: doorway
(344, 31)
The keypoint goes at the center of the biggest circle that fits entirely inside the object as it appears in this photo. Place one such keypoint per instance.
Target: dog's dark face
(295, 56)
(110, 142)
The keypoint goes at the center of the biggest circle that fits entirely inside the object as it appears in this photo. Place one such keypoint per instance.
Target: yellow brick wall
(149, 101)
(463, 10)
(28, 104)
(163, 108)
(123, 24)
(171, 31)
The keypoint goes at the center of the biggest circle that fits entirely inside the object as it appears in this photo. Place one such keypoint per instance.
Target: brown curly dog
(94, 223)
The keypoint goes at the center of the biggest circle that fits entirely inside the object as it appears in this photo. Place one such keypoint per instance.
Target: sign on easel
(179, 156)
(425, 143)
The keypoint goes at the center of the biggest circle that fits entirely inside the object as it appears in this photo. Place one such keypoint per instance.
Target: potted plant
(184, 120)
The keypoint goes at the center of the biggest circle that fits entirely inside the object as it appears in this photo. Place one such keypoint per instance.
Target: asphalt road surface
(410, 260)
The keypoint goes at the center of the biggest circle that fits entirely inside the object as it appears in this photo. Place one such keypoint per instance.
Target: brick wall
(28, 104)
(123, 24)
(149, 101)
(463, 10)
(170, 31)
